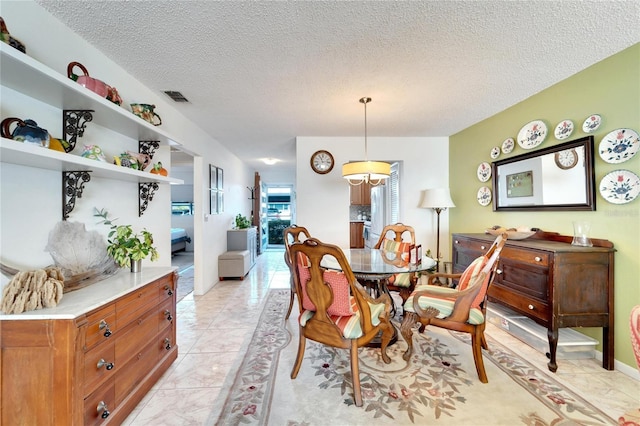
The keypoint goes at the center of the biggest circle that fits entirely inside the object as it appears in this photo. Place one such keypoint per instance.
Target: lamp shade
(436, 198)
(366, 170)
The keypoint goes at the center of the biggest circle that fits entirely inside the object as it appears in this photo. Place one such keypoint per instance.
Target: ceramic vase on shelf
(136, 266)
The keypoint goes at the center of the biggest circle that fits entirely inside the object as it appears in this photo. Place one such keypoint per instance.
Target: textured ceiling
(258, 74)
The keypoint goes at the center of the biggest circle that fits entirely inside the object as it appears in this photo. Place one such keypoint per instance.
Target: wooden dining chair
(335, 309)
(399, 238)
(292, 234)
(461, 309)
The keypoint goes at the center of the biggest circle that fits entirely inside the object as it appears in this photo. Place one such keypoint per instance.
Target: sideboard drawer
(131, 375)
(132, 306)
(100, 403)
(99, 365)
(533, 257)
(535, 309)
(133, 337)
(101, 324)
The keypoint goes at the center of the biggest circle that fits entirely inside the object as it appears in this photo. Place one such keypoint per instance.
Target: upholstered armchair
(399, 238)
(460, 309)
(335, 309)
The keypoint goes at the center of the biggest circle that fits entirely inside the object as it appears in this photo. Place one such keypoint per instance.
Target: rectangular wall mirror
(560, 177)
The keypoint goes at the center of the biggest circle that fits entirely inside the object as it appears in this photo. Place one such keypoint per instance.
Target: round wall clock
(322, 162)
(566, 159)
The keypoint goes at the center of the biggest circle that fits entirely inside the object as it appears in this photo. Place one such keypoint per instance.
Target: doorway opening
(280, 213)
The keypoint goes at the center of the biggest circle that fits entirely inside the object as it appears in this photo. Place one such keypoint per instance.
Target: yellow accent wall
(610, 88)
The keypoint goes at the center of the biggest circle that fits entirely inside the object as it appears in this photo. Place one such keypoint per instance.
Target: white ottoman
(233, 264)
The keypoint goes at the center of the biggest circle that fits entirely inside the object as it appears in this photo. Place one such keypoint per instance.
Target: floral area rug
(438, 385)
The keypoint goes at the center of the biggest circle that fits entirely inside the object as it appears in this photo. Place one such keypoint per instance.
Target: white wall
(35, 210)
(323, 200)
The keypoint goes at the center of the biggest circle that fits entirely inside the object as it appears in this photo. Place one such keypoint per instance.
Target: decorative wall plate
(591, 123)
(619, 146)
(508, 145)
(563, 129)
(620, 186)
(532, 134)
(484, 196)
(495, 152)
(484, 172)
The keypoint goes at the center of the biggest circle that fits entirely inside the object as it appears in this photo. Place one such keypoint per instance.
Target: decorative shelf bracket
(146, 191)
(148, 147)
(72, 187)
(74, 122)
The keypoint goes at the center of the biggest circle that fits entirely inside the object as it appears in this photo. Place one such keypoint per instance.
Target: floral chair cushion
(349, 325)
(341, 305)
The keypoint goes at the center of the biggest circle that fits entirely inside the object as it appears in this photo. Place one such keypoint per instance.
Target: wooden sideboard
(554, 283)
(91, 359)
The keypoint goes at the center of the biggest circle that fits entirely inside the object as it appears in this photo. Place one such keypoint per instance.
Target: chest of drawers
(91, 367)
(550, 281)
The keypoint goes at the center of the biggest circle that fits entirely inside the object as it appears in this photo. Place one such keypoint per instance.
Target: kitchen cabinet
(361, 194)
(554, 283)
(356, 235)
(91, 359)
(243, 239)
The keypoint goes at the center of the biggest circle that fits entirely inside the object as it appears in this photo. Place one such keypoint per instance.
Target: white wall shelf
(34, 79)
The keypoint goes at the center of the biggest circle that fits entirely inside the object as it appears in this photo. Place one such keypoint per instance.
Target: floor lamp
(437, 199)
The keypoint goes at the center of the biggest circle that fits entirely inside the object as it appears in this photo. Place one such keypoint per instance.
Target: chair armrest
(462, 299)
(433, 279)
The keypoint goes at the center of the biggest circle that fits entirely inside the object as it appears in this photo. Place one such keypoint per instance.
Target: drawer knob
(167, 343)
(499, 271)
(483, 247)
(103, 363)
(167, 314)
(104, 326)
(457, 242)
(103, 410)
(537, 259)
(169, 291)
(531, 307)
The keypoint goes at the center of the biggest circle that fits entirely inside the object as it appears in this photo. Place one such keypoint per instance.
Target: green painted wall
(610, 88)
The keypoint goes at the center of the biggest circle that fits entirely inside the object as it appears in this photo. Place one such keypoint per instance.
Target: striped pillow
(471, 272)
(341, 305)
(349, 325)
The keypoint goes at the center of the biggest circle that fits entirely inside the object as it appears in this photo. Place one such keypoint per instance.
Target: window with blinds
(393, 192)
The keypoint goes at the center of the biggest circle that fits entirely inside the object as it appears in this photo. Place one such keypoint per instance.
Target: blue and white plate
(508, 145)
(619, 146)
(591, 123)
(484, 172)
(563, 129)
(484, 196)
(620, 186)
(532, 134)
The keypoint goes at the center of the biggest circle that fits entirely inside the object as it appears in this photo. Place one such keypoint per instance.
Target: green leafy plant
(124, 245)
(242, 222)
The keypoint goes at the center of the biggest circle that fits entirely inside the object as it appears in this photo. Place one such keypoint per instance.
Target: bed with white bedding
(179, 239)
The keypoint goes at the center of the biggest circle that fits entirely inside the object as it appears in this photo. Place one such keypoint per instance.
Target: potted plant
(242, 222)
(126, 247)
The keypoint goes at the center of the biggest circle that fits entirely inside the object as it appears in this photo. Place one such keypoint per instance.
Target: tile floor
(185, 395)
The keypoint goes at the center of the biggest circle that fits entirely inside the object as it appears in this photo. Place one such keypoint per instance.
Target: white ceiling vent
(176, 96)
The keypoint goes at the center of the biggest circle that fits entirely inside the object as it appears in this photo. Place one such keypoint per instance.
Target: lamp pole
(438, 211)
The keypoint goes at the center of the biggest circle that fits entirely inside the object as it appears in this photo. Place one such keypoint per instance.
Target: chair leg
(387, 335)
(406, 328)
(477, 337)
(301, 345)
(290, 305)
(355, 373)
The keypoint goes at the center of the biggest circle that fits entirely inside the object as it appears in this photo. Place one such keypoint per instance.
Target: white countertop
(79, 302)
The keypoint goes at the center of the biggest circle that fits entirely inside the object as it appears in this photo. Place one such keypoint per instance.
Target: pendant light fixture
(372, 172)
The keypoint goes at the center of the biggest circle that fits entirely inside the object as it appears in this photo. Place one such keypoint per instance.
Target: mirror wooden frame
(499, 168)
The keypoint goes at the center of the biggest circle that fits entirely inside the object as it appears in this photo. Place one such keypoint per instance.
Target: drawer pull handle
(167, 314)
(102, 408)
(457, 242)
(169, 291)
(531, 307)
(499, 271)
(105, 326)
(102, 363)
(537, 259)
(483, 248)
(167, 343)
